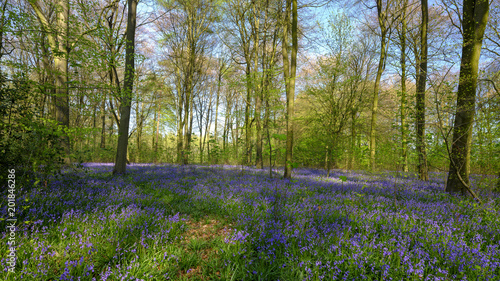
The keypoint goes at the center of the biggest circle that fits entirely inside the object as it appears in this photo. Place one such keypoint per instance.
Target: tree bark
(219, 81)
(475, 18)
(404, 127)
(247, 112)
(352, 157)
(420, 96)
(157, 139)
(59, 45)
(498, 182)
(290, 97)
(126, 94)
(103, 123)
(257, 90)
(2, 27)
(382, 17)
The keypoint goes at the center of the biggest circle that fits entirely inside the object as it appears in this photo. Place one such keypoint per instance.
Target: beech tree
(420, 96)
(58, 38)
(474, 20)
(126, 93)
(384, 22)
(289, 72)
(186, 33)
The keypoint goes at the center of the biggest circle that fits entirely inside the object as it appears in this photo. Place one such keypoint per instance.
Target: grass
(227, 223)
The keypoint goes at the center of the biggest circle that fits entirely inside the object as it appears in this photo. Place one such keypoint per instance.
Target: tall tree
(383, 22)
(126, 93)
(256, 88)
(474, 20)
(289, 72)
(404, 126)
(420, 95)
(58, 39)
(186, 36)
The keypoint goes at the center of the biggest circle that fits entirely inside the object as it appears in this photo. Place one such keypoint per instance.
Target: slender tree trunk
(248, 100)
(352, 157)
(420, 96)
(235, 132)
(286, 66)
(475, 18)
(2, 27)
(180, 120)
(112, 128)
(216, 160)
(128, 83)
(404, 127)
(290, 81)
(327, 160)
(139, 130)
(382, 16)
(157, 139)
(266, 125)
(257, 90)
(154, 135)
(225, 132)
(94, 127)
(188, 129)
(103, 123)
(206, 135)
(200, 142)
(185, 151)
(498, 183)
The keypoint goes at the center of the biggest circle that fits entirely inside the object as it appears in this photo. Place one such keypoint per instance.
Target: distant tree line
(386, 85)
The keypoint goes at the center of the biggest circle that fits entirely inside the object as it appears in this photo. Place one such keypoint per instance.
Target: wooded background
(368, 84)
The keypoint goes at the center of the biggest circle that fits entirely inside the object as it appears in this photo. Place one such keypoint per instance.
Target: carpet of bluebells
(91, 225)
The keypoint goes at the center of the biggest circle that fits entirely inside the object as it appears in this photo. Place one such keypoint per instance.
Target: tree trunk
(247, 112)
(404, 127)
(2, 26)
(128, 83)
(62, 91)
(290, 81)
(475, 18)
(352, 157)
(235, 132)
(328, 154)
(59, 45)
(381, 66)
(225, 131)
(139, 131)
(180, 119)
(103, 123)
(157, 139)
(420, 96)
(188, 129)
(498, 182)
(257, 90)
(216, 159)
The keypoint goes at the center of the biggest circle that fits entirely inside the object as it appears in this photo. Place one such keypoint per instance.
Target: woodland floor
(168, 222)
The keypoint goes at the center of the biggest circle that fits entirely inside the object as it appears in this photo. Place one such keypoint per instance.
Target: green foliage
(28, 143)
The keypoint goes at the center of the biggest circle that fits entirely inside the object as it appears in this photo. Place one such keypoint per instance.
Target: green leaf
(279, 136)
(343, 178)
